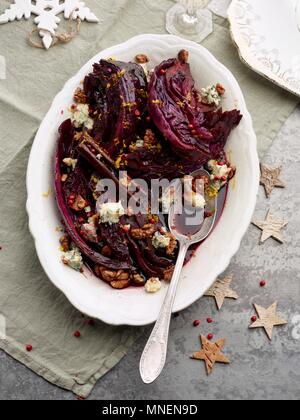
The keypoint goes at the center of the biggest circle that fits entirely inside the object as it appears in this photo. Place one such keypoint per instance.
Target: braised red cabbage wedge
(195, 131)
(162, 130)
(118, 91)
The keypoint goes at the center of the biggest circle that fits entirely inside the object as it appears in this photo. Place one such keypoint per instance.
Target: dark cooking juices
(181, 225)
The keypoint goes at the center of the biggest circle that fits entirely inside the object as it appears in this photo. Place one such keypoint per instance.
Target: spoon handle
(154, 355)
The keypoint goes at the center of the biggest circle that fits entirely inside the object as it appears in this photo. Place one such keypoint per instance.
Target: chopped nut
(64, 177)
(220, 89)
(141, 59)
(138, 234)
(106, 251)
(149, 138)
(110, 275)
(47, 193)
(120, 284)
(79, 204)
(183, 56)
(142, 233)
(138, 279)
(172, 245)
(80, 96)
(168, 274)
(65, 243)
(104, 274)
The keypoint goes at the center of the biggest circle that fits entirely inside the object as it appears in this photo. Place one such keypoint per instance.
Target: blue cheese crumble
(219, 173)
(111, 212)
(139, 143)
(160, 241)
(211, 96)
(73, 259)
(153, 285)
(70, 162)
(81, 116)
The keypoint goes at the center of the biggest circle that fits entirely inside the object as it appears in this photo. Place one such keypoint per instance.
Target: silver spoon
(154, 355)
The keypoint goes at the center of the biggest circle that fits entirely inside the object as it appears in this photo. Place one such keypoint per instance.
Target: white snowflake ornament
(46, 12)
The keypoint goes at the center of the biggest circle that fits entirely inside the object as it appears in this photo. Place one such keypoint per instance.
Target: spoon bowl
(207, 221)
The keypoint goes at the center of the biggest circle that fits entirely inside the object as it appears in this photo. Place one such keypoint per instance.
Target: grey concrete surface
(260, 369)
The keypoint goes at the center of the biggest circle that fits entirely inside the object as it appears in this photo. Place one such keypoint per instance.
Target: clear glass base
(195, 27)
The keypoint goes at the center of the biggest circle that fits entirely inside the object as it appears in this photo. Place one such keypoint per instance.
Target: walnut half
(141, 59)
(111, 276)
(120, 284)
(138, 279)
(183, 56)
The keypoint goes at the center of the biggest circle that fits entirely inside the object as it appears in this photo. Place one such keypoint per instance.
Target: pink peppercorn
(263, 283)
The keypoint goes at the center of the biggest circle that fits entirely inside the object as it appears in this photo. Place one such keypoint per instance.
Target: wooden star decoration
(268, 319)
(222, 290)
(211, 353)
(270, 178)
(271, 228)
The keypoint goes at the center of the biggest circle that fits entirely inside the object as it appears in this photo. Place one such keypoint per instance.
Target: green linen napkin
(35, 312)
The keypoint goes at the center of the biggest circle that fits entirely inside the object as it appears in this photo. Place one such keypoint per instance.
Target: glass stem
(189, 5)
(192, 6)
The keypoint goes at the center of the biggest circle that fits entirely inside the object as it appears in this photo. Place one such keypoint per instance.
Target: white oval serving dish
(267, 35)
(134, 306)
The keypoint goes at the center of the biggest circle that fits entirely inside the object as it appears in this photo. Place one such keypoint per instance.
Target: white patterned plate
(134, 306)
(267, 34)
